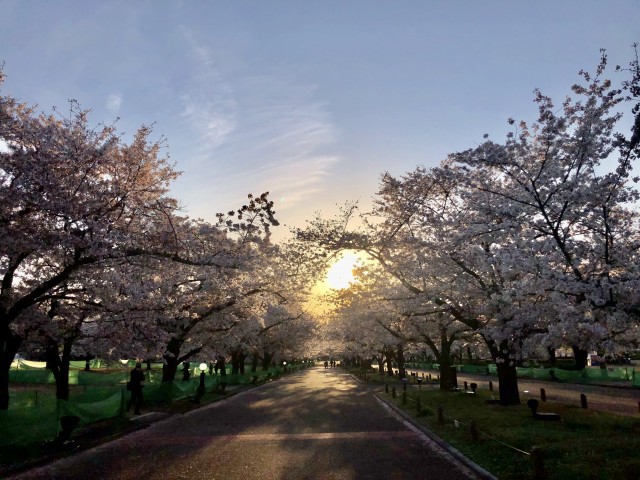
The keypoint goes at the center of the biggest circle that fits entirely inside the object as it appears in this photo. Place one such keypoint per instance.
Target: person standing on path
(135, 386)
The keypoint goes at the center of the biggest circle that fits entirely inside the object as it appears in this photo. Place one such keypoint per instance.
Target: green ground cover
(585, 444)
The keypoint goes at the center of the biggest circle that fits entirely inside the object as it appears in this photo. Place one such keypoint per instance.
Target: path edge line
(466, 461)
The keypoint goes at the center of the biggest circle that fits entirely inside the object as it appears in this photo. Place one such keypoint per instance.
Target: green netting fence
(94, 364)
(34, 416)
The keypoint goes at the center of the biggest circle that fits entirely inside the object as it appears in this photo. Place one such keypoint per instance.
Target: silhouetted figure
(135, 386)
(220, 366)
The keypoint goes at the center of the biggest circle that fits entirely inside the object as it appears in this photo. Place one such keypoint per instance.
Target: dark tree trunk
(580, 357)
(380, 360)
(266, 360)
(508, 383)
(448, 377)
(237, 362)
(389, 365)
(254, 362)
(242, 358)
(366, 363)
(171, 361)
(59, 366)
(552, 356)
(9, 343)
(402, 373)
(507, 377)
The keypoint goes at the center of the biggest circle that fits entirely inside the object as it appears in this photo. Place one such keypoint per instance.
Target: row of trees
(96, 258)
(526, 245)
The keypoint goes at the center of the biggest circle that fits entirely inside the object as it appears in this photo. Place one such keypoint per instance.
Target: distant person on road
(326, 364)
(135, 386)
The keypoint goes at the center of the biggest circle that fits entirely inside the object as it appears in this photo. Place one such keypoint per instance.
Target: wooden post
(473, 431)
(543, 395)
(583, 400)
(440, 414)
(465, 385)
(404, 397)
(393, 392)
(537, 464)
(490, 386)
(386, 388)
(418, 406)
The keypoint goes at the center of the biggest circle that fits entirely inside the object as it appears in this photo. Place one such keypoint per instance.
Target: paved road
(316, 424)
(622, 401)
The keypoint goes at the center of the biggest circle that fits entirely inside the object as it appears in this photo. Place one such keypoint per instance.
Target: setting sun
(340, 275)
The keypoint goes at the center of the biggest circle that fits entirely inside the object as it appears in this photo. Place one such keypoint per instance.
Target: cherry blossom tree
(522, 242)
(73, 196)
(549, 183)
(70, 196)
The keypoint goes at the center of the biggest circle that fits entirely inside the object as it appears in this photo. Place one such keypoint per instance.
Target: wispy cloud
(208, 105)
(114, 102)
(254, 133)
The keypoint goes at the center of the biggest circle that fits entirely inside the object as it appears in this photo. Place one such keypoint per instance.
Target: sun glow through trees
(340, 275)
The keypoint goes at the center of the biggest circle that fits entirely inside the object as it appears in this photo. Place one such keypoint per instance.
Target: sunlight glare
(340, 274)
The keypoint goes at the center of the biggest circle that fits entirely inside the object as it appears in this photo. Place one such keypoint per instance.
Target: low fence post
(583, 400)
(537, 464)
(418, 406)
(543, 395)
(490, 386)
(440, 414)
(393, 392)
(473, 430)
(404, 397)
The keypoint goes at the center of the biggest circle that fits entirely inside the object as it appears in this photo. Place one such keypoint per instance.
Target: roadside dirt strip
(607, 398)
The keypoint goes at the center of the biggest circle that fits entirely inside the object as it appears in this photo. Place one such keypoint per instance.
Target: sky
(310, 100)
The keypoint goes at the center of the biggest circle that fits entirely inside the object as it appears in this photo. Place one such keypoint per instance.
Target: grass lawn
(585, 444)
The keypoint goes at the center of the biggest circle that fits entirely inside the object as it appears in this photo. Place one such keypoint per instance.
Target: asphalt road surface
(315, 424)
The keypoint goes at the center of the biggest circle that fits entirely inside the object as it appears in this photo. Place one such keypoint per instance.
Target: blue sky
(310, 100)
